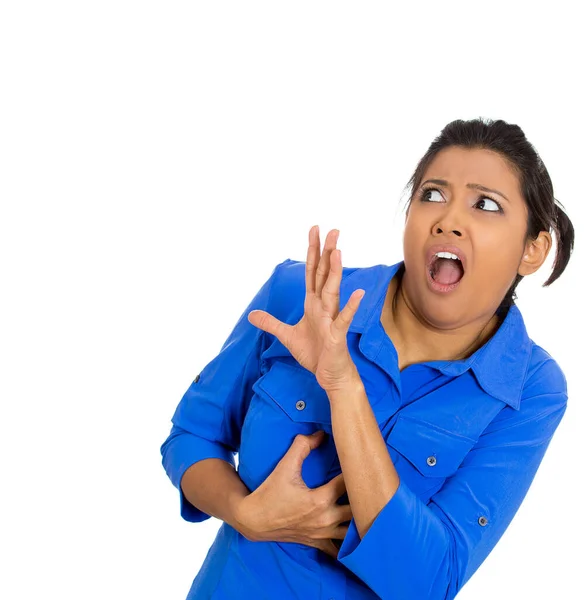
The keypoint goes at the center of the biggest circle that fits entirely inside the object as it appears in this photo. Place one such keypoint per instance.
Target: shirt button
(300, 404)
(483, 521)
(197, 379)
(431, 461)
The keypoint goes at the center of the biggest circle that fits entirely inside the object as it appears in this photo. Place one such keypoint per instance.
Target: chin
(443, 311)
(442, 315)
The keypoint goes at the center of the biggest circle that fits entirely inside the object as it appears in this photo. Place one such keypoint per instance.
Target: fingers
(343, 513)
(317, 265)
(336, 487)
(340, 531)
(332, 287)
(345, 317)
(312, 258)
(324, 265)
(329, 548)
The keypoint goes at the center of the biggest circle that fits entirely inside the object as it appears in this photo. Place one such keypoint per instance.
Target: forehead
(464, 165)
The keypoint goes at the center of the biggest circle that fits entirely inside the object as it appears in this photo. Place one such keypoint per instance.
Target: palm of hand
(319, 340)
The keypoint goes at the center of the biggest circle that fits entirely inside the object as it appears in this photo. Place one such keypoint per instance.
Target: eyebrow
(474, 186)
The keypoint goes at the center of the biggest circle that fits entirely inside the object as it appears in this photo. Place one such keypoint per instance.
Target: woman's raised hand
(319, 340)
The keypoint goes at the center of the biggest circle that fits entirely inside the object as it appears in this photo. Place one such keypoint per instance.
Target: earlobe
(535, 253)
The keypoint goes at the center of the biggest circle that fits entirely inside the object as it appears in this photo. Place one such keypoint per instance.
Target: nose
(448, 223)
(438, 230)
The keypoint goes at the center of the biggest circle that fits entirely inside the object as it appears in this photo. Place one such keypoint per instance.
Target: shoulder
(544, 372)
(543, 399)
(519, 369)
(545, 381)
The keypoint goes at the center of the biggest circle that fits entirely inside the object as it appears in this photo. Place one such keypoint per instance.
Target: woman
(383, 448)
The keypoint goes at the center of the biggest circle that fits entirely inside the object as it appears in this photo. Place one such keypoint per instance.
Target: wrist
(350, 385)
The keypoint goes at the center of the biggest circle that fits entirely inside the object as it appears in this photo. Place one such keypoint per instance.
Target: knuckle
(325, 521)
(322, 502)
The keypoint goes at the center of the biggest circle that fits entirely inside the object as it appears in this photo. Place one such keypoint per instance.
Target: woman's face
(488, 227)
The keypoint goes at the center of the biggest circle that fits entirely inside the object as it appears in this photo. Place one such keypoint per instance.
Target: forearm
(370, 476)
(213, 486)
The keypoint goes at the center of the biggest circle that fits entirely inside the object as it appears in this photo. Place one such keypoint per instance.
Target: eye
(485, 200)
(489, 205)
(425, 195)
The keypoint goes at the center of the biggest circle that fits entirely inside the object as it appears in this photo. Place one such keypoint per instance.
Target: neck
(418, 341)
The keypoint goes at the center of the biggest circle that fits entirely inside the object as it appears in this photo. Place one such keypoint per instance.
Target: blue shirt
(466, 438)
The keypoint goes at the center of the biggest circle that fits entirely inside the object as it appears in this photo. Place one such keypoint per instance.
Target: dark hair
(544, 211)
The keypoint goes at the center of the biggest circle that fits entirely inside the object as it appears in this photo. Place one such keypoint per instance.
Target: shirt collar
(500, 365)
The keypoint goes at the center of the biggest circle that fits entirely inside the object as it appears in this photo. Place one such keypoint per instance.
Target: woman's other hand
(284, 509)
(319, 340)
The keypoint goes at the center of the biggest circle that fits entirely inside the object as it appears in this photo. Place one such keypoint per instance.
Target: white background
(157, 160)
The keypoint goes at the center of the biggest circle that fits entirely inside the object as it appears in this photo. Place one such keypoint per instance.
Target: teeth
(446, 255)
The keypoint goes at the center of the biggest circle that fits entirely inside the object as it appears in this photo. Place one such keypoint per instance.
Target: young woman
(384, 448)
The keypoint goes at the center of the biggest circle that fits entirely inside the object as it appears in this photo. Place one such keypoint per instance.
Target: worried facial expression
(468, 203)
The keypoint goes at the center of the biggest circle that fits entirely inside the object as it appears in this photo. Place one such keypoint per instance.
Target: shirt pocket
(286, 401)
(425, 455)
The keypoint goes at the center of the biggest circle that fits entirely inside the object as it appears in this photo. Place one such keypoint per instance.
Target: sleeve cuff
(355, 549)
(183, 452)
(404, 539)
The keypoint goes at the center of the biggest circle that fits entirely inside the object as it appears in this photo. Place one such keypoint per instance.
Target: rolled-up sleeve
(208, 419)
(430, 550)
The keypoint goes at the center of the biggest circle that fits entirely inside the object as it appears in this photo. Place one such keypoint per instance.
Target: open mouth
(445, 271)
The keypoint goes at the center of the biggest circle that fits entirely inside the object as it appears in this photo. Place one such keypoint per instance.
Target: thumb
(263, 320)
(301, 448)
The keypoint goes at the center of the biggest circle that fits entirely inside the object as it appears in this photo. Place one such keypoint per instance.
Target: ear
(535, 253)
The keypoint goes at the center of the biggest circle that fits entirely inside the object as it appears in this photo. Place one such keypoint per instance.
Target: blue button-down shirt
(466, 438)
